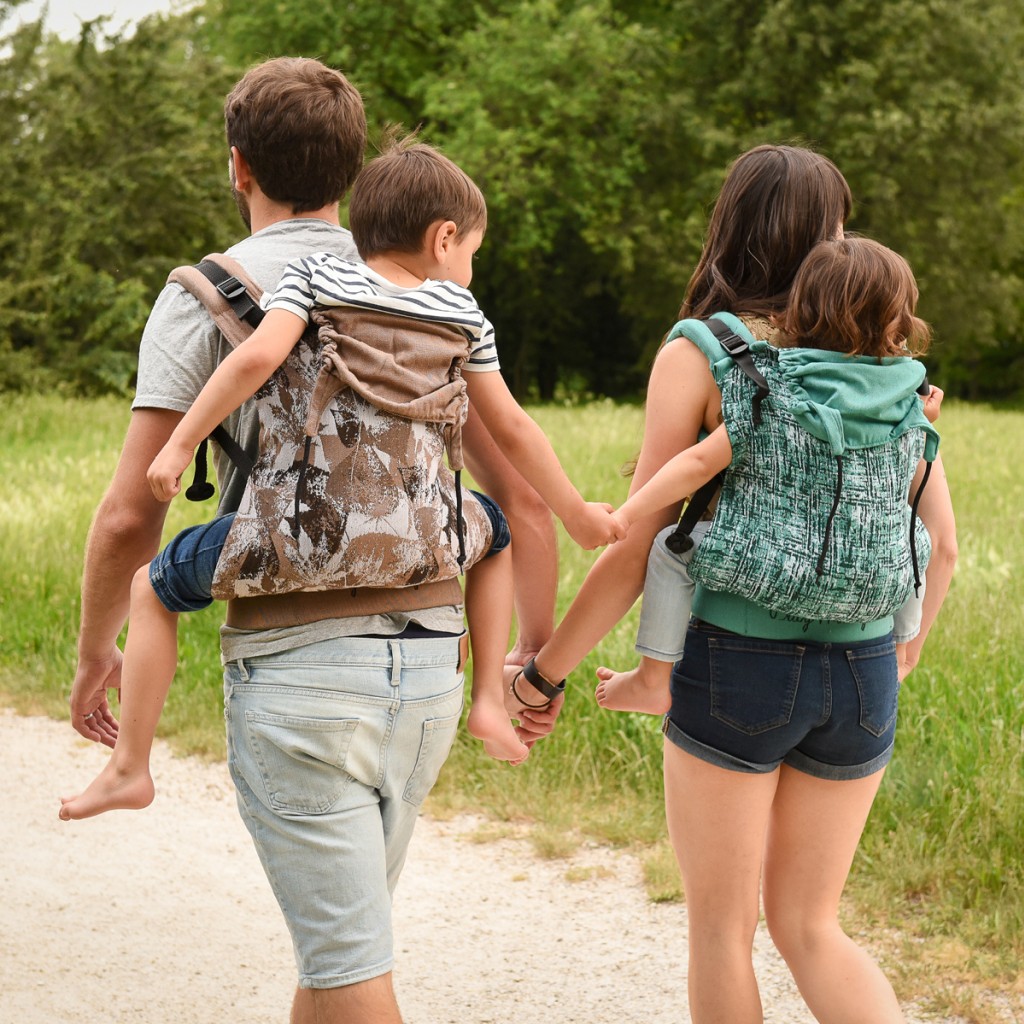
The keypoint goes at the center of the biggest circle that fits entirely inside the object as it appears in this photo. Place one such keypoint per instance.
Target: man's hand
(90, 713)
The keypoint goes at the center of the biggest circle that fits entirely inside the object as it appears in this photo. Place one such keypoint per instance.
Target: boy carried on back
(417, 220)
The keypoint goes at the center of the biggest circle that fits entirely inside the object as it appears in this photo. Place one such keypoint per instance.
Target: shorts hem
(712, 756)
(349, 978)
(171, 600)
(905, 638)
(838, 772)
(649, 652)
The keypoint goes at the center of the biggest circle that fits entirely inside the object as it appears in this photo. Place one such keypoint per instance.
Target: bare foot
(111, 790)
(644, 688)
(490, 724)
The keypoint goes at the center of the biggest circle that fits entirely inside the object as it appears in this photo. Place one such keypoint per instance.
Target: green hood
(846, 401)
(855, 401)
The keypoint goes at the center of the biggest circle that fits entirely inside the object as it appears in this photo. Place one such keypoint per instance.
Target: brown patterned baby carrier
(350, 488)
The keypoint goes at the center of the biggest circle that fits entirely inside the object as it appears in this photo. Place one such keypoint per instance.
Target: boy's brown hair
(856, 296)
(400, 193)
(302, 129)
(776, 204)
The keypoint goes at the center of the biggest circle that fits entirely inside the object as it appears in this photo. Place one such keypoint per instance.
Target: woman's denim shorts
(750, 705)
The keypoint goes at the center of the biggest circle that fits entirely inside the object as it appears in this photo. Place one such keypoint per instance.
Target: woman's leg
(717, 820)
(813, 832)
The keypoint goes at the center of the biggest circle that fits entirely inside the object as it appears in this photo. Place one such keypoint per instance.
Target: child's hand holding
(164, 473)
(594, 525)
(932, 403)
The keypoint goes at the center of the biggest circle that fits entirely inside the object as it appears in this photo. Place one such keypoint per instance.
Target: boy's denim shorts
(333, 747)
(749, 705)
(501, 536)
(182, 573)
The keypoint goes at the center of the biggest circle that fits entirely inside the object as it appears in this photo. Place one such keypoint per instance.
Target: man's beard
(242, 203)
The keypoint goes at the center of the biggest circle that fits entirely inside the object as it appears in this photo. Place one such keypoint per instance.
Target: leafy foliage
(114, 173)
(599, 130)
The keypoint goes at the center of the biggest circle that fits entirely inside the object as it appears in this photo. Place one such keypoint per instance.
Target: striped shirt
(325, 279)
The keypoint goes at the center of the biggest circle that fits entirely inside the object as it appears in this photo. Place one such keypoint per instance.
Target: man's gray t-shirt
(179, 351)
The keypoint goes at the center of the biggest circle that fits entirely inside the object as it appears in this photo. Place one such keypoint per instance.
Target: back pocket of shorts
(301, 760)
(874, 672)
(753, 684)
(435, 744)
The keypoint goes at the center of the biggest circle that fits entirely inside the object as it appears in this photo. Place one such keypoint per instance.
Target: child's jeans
(668, 595)
(182, 574)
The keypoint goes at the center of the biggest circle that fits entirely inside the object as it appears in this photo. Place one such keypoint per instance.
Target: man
(330, 792)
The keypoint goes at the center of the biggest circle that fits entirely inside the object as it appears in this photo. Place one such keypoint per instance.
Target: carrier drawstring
(913, 532)
(458, 519)
(201, 488)
(300, 487)
(831, 516)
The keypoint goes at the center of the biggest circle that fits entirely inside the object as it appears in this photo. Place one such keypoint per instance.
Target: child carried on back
(417, 220)
(850, 295)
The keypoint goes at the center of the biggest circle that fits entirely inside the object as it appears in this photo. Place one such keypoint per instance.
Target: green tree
(920, 105)
(115, 171)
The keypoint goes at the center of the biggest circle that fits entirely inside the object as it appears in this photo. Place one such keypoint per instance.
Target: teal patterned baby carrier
(812, 523)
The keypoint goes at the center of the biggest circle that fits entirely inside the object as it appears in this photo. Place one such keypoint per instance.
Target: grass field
(938, 880)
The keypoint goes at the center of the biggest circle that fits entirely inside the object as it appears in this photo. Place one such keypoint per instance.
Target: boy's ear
(440, 236)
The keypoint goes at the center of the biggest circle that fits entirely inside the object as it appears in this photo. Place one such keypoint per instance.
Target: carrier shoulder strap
(230, 296)
(740, 352)
(232, 299)
(680, 541)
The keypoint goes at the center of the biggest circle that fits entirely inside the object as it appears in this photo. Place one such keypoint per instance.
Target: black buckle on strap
(232, 289)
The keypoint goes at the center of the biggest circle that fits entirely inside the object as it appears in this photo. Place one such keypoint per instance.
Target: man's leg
(332, 747)
(366, 1002)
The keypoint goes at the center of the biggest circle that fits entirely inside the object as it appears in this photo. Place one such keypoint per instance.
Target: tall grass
(942, 856)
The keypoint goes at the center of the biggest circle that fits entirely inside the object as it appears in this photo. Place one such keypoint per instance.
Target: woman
(732, 826)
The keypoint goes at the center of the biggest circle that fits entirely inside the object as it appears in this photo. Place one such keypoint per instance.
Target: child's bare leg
(644, 688)
(150, 658)
(489, 613)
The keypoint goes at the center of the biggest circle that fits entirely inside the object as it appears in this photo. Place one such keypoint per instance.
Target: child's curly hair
(856, 296)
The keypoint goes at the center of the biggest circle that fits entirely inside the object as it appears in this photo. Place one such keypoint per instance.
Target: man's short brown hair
(302, 129)
(410, 186)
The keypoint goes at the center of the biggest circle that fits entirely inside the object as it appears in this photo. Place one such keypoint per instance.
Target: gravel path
(164, 916)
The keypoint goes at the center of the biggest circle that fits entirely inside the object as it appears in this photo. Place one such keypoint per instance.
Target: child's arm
(679, 477)
(236, 379)
(526, 446)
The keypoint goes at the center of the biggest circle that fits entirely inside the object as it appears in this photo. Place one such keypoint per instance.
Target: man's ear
(440, 236)
(241, 175)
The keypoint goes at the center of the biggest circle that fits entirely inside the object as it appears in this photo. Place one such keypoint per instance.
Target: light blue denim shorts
(333, 747)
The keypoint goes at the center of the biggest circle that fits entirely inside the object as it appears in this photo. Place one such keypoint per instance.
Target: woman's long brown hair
(776, 204)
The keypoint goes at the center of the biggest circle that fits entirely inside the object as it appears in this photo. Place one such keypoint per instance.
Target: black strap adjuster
(232, 289)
